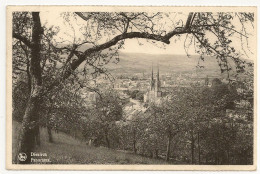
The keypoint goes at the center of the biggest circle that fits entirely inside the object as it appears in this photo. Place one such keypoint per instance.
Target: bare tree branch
(165, 39)
(82, 57)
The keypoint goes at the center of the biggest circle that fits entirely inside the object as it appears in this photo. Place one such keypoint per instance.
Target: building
(154, 93)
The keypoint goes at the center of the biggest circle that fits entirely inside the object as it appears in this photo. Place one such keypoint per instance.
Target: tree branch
(188, 22)
(165, 39)
(22, 39)
(82, 16)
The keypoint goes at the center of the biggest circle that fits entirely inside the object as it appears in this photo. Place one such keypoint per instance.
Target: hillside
(67, 150)
(139, 63)
(130, 63)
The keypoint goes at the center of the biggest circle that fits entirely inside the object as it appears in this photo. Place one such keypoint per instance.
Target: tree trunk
(107, 140)
(199, 145)
(215, 155)
(156, 148)
(134, 147)
(228, 157)
(168, 147)
(26, 141)
(134, 142)
(37, 135)
(48, 124)
(49, 134)
(192, 148)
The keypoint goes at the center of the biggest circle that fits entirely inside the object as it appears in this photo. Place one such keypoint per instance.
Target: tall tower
(158, 92)
(152, 81)
(158, 82)
(152, 72)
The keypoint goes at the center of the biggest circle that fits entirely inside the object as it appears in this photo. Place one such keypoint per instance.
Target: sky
(131, 45)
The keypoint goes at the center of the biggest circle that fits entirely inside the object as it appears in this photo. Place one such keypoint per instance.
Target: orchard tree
(104, 34)
(107, 110)
(64, 111)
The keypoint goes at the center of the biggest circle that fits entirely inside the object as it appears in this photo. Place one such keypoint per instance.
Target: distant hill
(139, 63)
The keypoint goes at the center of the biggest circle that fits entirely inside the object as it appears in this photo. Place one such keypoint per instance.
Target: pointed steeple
(152, 71)
(158, 72)
(152, 80)
(158, 83)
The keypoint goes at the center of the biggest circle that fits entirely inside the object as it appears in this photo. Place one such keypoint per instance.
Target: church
(154, 94)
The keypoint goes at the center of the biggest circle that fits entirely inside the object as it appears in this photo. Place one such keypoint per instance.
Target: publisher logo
(22, 156)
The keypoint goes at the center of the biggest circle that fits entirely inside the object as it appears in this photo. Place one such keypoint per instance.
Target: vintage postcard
(131, 88)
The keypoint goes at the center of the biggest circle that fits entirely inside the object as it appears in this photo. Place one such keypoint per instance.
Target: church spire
(158, 83)
(152, 71)
(158, 73)
(152, 80)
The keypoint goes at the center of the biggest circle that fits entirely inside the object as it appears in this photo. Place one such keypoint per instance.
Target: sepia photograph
(131, 88)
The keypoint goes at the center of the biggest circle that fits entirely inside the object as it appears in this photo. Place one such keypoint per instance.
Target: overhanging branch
(130, 35)
(165, 39)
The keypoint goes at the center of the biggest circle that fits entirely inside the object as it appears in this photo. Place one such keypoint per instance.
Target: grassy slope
(67, 150)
